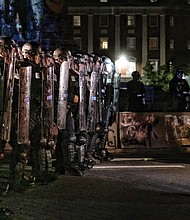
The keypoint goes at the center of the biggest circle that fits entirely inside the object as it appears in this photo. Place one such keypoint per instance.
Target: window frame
(101, 22)
(151, 39)
(131, 43)
(171, 44)
(76, 20)
(103, 41)
(152, 24)
(171, 21)
(131, 20)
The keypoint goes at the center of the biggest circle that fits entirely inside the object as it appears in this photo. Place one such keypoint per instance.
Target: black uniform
(21, 153)
(66, 141)
(135, 93)
(179, 89)
(3, 81)
(73, 108)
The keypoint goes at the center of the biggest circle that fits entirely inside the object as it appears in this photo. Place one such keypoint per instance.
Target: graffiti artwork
(153, 130)
(137, 128)
(178, 128)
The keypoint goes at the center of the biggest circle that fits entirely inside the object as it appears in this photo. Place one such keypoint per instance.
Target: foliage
(160, 78)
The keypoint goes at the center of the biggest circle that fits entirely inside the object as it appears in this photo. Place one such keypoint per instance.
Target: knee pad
(82, 138)
(64, 133)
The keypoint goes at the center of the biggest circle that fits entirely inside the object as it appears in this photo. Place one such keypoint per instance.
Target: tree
(160, 78)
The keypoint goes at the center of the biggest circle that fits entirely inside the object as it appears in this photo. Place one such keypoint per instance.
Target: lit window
(188, 2)
(153, 20)
(171, 21)
(153, 0)
(171, 43)
(131, 20)
(188, 44)
(104, 43)
(103, 20)
(153, 43)
(76, 20)
(103, 0)
(131, 43)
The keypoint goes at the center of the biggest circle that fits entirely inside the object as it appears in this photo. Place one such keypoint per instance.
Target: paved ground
(91, 197)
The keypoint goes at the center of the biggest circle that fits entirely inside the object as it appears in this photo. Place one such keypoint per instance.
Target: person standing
(179, 90)
(135, 93)
(36, 151)
(66, 140)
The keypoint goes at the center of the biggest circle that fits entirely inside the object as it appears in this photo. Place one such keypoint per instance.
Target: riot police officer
(65, 147)
(3, 78)
(10, 108)
(179, 89)
(135, 93)
(58, 59)
(32, 53)
(35, 150)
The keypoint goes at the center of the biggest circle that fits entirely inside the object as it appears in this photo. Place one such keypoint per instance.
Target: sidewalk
(151, 152)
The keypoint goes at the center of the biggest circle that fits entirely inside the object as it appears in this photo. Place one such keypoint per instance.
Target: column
(90, 34)
(144, 40)
(117, 36)
(162, 40)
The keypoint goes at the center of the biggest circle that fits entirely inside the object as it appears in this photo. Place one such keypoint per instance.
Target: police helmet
(136, 75)
(58, 53)
(179, 73)
(95, 57)
(26, 49)
(31, 49)
(106, 60)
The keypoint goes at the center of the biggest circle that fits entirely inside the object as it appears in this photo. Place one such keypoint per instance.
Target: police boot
(73, 164)
(43, 174)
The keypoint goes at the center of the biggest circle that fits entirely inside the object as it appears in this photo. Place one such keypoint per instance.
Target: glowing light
(124, 66)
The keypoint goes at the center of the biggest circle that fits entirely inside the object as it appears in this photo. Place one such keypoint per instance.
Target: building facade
(143, 30)
(147, 30)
